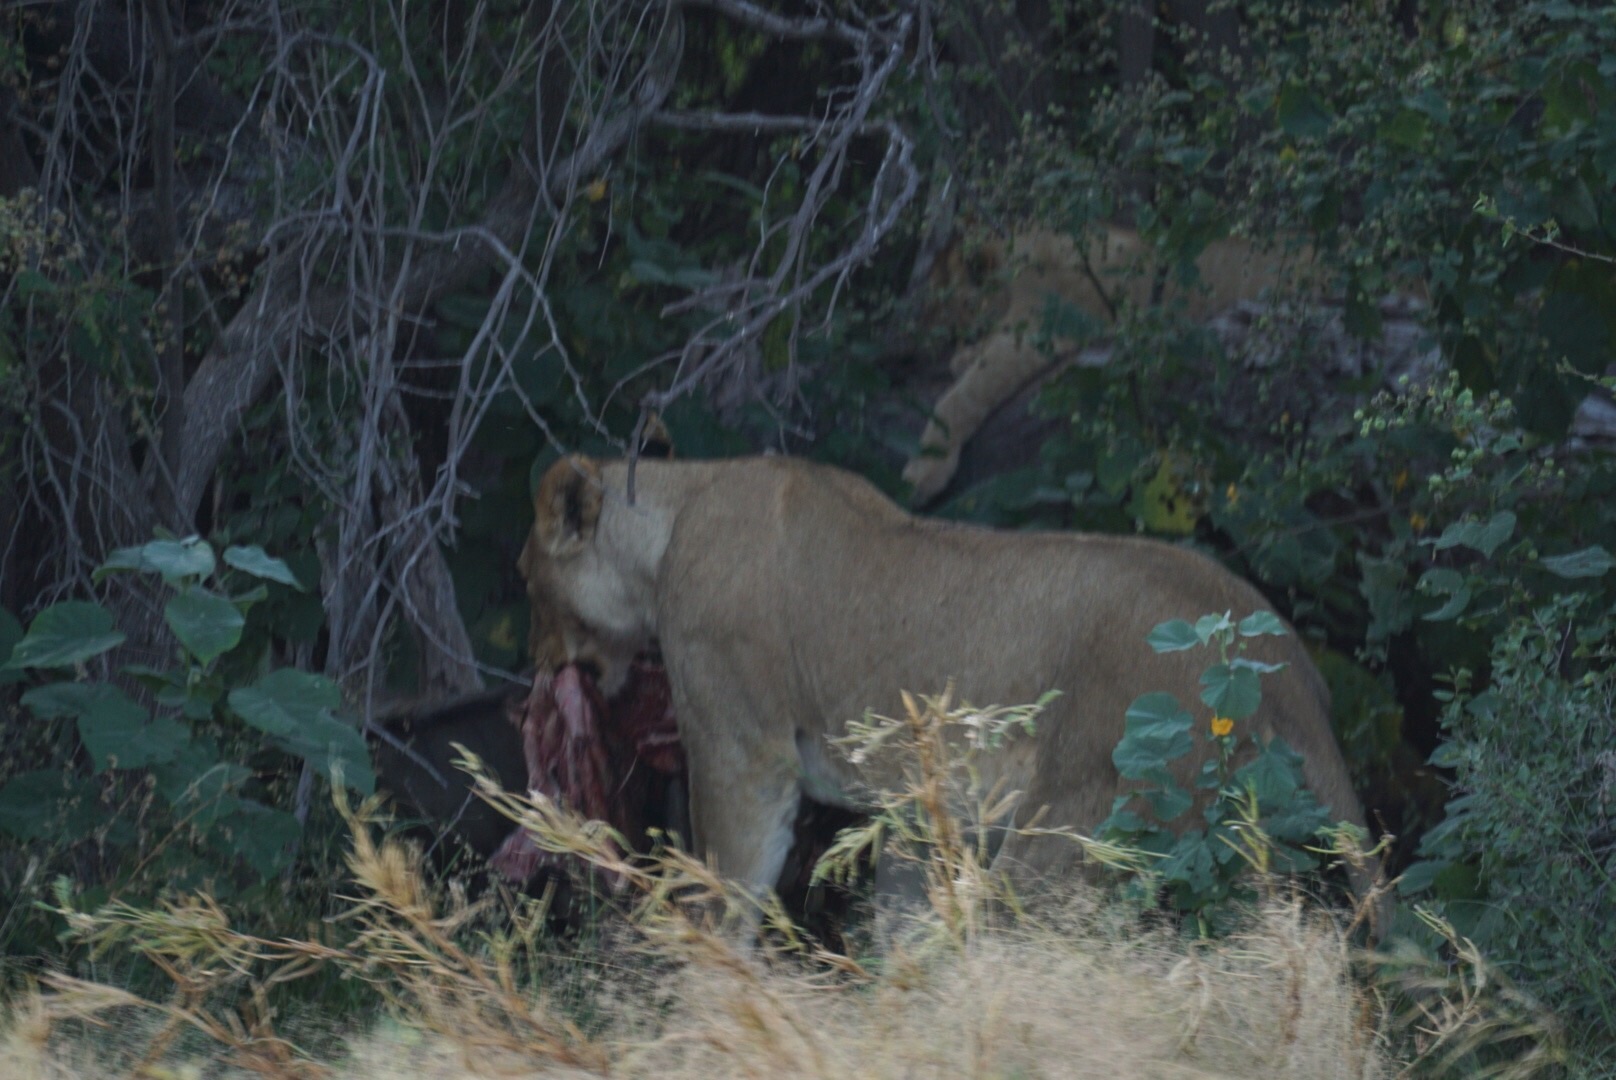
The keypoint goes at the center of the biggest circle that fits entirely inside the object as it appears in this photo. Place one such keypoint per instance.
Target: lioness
(1010, 286)
(789, 597)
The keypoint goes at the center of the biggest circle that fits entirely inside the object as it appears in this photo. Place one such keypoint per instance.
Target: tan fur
(1010, 288)
(790, 597)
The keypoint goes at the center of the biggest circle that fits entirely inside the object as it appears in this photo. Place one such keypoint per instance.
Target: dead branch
(747, 306)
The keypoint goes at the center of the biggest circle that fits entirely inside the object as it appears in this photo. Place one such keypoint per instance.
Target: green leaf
(1441, 580)
(1592, 561)
(1207, 626)
(1157, 731)
(117, 732)
(1168, 801)
(1234, 692)
(1301, 114)
(117, 740)
(1274, 775)
(207, 624)
(259, 835)
(175, 560)
(1407, 128)
(1384, 587)
(1449, 583)
(197, 782)
(1483, 537)
(1174, 636)
(48, 804)
(252, 560)
(1419, 876)
(1259, 623)
(66, 634)
(295, 709)
(1452, 609)
(281, 700)
(1190, 863)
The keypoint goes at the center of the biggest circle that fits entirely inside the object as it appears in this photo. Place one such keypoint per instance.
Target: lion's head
(590, 605)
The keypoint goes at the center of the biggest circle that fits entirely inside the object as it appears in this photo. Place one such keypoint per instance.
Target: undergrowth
(680, 982)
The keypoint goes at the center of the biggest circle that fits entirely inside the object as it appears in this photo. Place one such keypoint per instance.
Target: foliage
(1427, 519)
(1259, 814)
(177, 777)
(1524, 864)
(671, 990)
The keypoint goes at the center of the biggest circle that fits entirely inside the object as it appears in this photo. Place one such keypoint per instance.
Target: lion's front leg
(741, 818)
(744, 777)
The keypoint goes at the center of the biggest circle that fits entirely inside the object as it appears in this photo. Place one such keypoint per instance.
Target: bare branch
(747, 307)
(242, 362)
(785, 28)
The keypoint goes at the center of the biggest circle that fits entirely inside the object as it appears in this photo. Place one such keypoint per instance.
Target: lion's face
(584, 607)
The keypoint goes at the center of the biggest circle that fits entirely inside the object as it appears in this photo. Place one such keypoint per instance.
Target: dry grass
(1033, 1003)
(681, 988)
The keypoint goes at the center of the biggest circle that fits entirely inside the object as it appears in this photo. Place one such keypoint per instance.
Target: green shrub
(166, 780)
(1259, 814)
(1525, 863)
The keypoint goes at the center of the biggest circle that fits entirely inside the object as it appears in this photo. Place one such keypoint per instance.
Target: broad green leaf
(1168, 801)
(1207, 626)
(295, 708)
(1157, 731)
(1190, 863)
(1301, 114)
(1592, 561)
(1485, 537)
(1441, 580)
(251, 559)
(1385, 587)
(48, 804)
(1261, 622)
(1406, 128)
(1452, 609)
(197, 781)
(1234, 692)
(277, 703)
(1275, 774)
(117, 732)
(175, 560)
(116, 740)
(1174, 636)
(71, 700)
(1449, 583)
(207, 624)
(66, 634)
(259, 835)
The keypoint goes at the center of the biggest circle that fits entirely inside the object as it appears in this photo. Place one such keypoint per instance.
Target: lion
(787, 598)
(1010, 287)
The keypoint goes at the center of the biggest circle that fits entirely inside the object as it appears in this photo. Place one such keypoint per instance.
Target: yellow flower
(1222, 725)
(1417, 521)
(596, 191)
(1232, 494)
(1399, 482)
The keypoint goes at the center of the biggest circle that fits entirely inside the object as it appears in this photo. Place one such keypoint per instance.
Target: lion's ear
(566, 509)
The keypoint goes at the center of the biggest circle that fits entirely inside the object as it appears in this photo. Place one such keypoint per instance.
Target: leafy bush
(1259, 815)
(134, 799)
(1525, 862)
